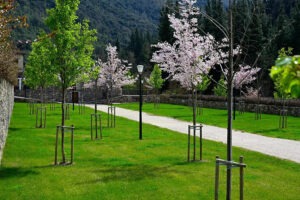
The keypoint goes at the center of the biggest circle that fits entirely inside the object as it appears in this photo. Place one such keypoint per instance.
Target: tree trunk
(95, 96)
(229, 103)
(62, 125)
(194, 100)
(42, 96)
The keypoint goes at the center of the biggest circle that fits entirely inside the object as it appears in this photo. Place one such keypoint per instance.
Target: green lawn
(268, 125)
(122, 167)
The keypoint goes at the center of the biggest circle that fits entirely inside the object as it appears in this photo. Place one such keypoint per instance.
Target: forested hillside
(262, 27)
(113, 19)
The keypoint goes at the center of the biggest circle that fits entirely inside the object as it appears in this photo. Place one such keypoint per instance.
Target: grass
(122, 167)
(267, 126)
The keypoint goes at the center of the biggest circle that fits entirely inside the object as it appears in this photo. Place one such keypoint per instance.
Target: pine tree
(165, 32)
(215, 10)
(283, 27)
(254, 40)
(296, 28)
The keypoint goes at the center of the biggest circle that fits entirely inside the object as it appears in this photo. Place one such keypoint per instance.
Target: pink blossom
(191, 56)
(113, 73)
(244, 76)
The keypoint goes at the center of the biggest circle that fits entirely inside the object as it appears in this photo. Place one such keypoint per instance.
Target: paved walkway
(281, 148)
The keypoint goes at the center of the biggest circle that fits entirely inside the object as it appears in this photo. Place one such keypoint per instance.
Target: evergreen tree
(138, 50)
(296, 28)
(254, 39)
(165, 32)
(215, 9)
(283, 27)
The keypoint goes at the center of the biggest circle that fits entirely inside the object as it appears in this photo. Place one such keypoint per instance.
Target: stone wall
(267, 105)
(6, 107)
(54, 94)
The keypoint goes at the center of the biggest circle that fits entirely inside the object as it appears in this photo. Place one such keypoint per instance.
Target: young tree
(71, 47)
(39, 69)
(286, 75)
(251, 29)
(191, 56)
(156, 82)
(94, 75)
(114, 73)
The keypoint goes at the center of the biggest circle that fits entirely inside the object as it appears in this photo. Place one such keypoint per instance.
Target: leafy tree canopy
(156, 80)
(286, 74)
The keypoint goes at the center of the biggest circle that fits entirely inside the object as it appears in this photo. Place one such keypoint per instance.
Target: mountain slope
(112, 18)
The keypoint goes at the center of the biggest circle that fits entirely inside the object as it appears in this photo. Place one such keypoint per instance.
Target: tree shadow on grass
(44, 166)
(133, 173)
(270, 130)
(181, 116)
(15, 172)
(14, 129)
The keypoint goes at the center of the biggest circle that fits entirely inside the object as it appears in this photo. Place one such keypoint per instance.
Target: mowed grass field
(120, 166)
(268, 125)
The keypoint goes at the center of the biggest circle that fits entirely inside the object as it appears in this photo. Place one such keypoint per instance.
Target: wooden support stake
(189, 143)
(72, 144)
(217, 179)
(241, 178)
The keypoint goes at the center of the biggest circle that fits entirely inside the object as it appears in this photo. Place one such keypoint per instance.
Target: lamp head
(140, 68)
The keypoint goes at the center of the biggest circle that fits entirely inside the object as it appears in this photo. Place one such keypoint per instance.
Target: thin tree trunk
(95, 96)
(42, 96)
(194, 102)
(194, 99)
(63, 124)
(229, 103)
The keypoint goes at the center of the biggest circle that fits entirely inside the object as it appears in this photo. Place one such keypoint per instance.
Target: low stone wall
(267, 105)
(6, 107)
(54, 94)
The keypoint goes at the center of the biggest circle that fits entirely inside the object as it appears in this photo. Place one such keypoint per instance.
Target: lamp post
(140, 71)
(74, 95)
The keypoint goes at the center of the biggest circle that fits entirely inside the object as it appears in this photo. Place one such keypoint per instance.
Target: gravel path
(280, 148)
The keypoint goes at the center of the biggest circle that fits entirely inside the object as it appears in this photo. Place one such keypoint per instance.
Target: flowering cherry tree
(244, 76)
(114, 73)
(191, 56)
(251, 92)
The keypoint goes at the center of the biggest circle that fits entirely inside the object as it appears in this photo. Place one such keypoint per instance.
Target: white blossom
(191, 56)
(244, 76)
(113, 73)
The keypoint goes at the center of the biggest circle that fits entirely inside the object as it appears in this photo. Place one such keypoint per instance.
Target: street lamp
(140, 71)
